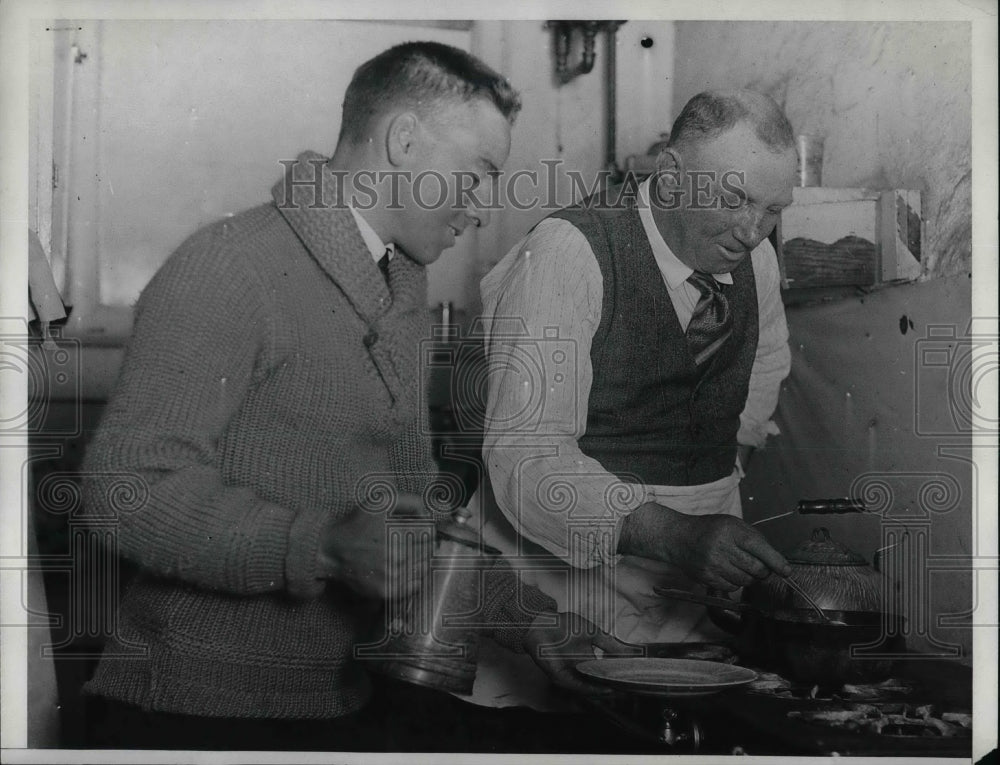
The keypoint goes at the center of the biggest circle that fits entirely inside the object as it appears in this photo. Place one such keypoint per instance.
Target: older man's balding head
(723, 179)
(709, 114)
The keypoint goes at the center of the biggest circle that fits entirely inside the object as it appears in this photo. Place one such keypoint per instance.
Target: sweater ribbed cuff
(255, 560)
(302, 562)
(511, 607)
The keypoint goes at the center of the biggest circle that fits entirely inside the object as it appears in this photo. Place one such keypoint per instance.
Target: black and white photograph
(426, 382)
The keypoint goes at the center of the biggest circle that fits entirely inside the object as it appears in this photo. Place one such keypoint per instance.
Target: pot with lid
(852, 640)
(833, 575)
(851, 592)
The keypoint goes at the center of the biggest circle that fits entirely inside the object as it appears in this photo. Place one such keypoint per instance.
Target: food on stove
(892, 687)
(852, 712)
(861, 691)
(709, 652)
(768, 681)
(890, 719)
(902, 725)
(958, 718)
(895, 684)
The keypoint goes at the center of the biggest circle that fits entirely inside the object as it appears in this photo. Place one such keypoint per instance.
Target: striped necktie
(383, 265)
(711, 322)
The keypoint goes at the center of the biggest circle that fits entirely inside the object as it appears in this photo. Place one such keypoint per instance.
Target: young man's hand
(356, 550)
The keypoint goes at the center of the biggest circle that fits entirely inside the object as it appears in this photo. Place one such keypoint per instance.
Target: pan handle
(726, 614)
(705, 600)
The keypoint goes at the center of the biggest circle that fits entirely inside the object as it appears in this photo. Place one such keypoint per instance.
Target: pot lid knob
(822, 550)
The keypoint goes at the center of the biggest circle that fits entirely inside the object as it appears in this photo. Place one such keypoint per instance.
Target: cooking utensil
(805, 596)
(667, 677)
(705, 600)
(804, 615)
(828, 506)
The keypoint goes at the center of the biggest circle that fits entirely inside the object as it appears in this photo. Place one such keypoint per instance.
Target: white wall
(893, 101)
(645, 85)
(172, 124)
(568, 122)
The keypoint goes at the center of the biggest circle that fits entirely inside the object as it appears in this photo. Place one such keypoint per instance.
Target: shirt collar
(673, 270)
(375, 245)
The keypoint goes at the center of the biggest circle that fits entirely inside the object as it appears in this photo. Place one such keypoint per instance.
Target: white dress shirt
(372, 241)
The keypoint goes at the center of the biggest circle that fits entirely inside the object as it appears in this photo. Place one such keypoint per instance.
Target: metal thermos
(435, 642)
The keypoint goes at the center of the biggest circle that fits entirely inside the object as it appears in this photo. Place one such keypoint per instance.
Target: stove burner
(891, 720)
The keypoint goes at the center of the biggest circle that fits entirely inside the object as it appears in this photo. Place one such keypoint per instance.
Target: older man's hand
(558, 648)
(720, 551)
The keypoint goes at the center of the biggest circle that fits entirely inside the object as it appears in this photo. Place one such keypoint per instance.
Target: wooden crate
(842, 237)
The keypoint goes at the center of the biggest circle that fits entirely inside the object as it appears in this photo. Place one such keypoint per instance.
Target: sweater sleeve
(510, 606)
(201, 327)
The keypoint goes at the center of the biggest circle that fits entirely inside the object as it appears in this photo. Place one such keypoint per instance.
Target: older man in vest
(652, 318)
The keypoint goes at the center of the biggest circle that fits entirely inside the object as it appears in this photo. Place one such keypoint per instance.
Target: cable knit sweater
(272, 371)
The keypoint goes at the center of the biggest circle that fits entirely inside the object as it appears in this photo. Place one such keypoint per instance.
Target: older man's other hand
(559, 647)
(720, 551)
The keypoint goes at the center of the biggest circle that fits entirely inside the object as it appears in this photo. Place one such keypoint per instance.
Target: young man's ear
(401, 138)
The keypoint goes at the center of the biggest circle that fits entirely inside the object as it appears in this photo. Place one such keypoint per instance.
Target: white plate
(667, 677)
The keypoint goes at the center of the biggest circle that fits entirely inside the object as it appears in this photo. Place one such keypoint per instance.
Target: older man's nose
(751, 229)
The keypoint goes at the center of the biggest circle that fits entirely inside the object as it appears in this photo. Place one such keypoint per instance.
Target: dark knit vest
(653, 417)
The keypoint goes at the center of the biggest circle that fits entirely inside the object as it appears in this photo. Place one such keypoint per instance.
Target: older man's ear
(668, 178)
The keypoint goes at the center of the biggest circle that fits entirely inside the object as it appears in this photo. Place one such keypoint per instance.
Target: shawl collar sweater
(271, 382)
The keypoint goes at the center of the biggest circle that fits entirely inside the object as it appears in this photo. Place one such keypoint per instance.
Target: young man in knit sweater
(269, 389)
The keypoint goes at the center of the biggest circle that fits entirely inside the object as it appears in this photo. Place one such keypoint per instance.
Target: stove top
(925, 710)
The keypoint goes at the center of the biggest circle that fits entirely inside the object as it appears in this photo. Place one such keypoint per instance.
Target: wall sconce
(563, 33)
